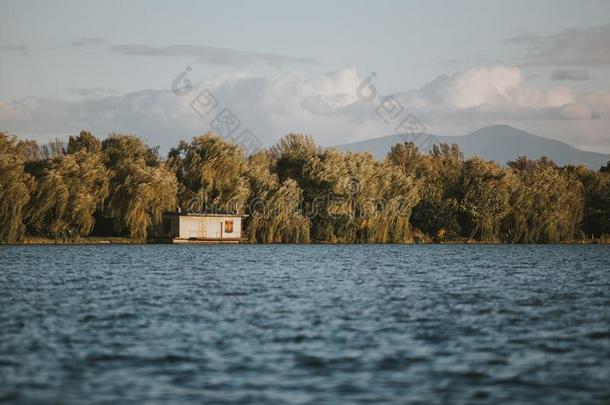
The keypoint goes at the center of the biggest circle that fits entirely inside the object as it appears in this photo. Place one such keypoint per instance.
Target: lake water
(304, 324)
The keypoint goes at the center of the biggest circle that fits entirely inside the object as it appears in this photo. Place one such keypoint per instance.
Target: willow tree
(438, 176)
(141, 188)
(274, 207)
(351, 198)
(323, 176)
(486, 190)
(596, 216)
(407, 157)
(291, 153)
(84, 141)
(546, 206)
(398, 194)
(322, 181)
(119, 148)
(378, 199)
(211, 175)
(69, 189)
(15, 187)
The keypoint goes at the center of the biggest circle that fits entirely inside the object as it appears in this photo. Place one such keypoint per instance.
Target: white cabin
(179, 227)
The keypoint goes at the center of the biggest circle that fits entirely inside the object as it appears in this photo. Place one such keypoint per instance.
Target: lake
(304, 324)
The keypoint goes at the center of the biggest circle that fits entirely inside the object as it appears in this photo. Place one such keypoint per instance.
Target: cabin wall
(208, 227)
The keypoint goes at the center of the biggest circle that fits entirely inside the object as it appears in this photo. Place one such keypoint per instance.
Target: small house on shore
(179, 227)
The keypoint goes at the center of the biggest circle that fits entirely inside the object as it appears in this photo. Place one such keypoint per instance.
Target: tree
(407, 157)
(296, 191)
(211, 173)
(118, 148)
(350, 198)
(141, 188)
(486, 191)
(596, 215)
(69, 189)
(399, 194)
(438, 210)
(291, 153)
(547, 205)
(274, 208)
(84, 141)
(15, 188)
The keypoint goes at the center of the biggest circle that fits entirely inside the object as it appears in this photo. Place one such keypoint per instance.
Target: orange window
(229, 226)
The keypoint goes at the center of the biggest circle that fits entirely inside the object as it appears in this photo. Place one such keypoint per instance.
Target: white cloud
(324, 106)
(269, 107)
(500, 94)
(497, 85)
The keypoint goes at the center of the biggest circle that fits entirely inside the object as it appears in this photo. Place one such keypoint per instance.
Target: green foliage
(141, 187)
(15, 187)
(596, 216)
(84, 141)
(211, 173)
(399, 194)
(439, 175)
(546, 206)
(68, 191)
(291, 154)
(274, 207)
(485, 200)
(296, 192)
(120, 148)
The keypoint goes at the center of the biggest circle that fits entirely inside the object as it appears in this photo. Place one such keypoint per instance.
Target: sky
(341, 71)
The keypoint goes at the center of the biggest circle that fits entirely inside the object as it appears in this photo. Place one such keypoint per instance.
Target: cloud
(207, 54)
(324, 106)
(88, 41)
(579, 111)
(449, 63)
(577, 75)
(269, 107)
(573, 47)
(497, 86)
(210, 54)
(499, 93)
(521, 38)
(14, 48)
(92, 91)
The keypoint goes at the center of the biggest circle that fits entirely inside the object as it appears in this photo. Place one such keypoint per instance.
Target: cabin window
(229, 226)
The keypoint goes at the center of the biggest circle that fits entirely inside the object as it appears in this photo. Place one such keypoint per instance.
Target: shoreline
(115, 240)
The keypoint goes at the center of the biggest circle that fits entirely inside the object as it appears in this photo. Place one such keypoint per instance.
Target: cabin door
(214, 228)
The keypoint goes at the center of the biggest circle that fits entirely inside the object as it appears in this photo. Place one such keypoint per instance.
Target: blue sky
(294, 66)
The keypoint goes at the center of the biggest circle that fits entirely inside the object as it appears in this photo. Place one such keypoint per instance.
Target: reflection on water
(304, 324)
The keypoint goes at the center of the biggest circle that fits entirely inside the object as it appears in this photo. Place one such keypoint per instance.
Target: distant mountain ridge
(500, 143)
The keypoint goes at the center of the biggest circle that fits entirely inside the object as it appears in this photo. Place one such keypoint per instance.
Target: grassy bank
(113, 240)
(93, 240)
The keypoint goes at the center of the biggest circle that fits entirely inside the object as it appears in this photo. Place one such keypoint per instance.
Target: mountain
(500, 143)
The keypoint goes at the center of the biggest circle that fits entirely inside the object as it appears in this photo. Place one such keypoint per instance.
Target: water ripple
(304, 324)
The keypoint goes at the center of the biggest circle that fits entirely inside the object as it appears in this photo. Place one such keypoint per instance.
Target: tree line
(295, 192)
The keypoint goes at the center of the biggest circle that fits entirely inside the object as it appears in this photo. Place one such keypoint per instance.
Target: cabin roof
(202, 214)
